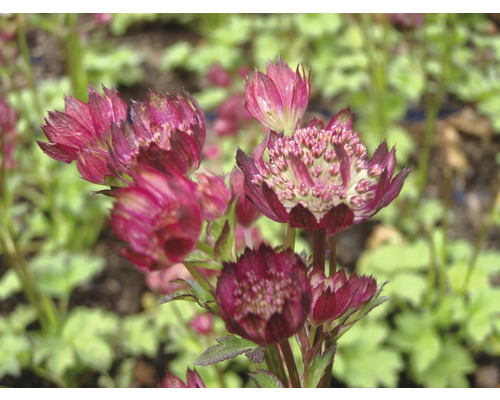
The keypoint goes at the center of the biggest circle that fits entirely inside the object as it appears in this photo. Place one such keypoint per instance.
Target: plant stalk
(275, 363)
(290, 363)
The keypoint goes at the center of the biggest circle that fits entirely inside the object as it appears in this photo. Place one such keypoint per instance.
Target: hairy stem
(275, 363)
(290, 363)
(319, 248)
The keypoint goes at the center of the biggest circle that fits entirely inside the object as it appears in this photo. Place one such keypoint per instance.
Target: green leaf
(224, 244)
(391, 258)
(176, 56)
(407, 286)
(9, 285)
(450, 369)
(58, 274)
(319, 365)
(198, 295)
(371, 368)
(228, 347)
(11, 348)
(139, 335)
(265, 379)
(58, 354)
(88, 331)
(425, 351)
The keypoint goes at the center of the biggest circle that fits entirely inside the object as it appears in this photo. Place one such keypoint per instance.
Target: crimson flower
(165, 131)
(320, 177)
(193, 380)
(278, 99)
(159, 216)
(81, 132)
(332, 297)
(213, 195)
(264, 296)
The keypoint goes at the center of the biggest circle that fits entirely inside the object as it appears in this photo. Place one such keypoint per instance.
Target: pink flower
(264, 296)
(172, 382)
(218, 76)
(320, 177)
(332, 297)
(81, 133)
(167, 131)
(231, 115)
(278, 99)
(213, 195)
(203, 323)
(159, 216)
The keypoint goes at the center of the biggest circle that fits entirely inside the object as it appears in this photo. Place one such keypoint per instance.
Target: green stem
(444, 229)
(46, 314)
(290, 363)
(486, 223)
(377, 59)
(319, 248)
(59, 381)
(433, 105)
(25, 54)
(275, 363)
(74, 52)
(431, 276)
(290, 238)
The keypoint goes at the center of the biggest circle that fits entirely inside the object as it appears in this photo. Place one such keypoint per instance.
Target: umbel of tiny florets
(264, 296)
(320, 177)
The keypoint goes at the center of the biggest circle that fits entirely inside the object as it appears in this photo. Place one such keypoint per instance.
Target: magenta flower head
(193, 381)
(166, 131)
(158, 216)
(82, 131)
(278, 99)
(320, 178)
(332, 297)
(213, 195)
(265, 296)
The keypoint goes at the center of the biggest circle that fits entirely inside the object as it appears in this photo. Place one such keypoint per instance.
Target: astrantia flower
(278, 99)
(159, 216)
(193, 380)
(81, 133)
(166, 131)
(332, 297)
(265, 296)
(213, 195)
(320, 177)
